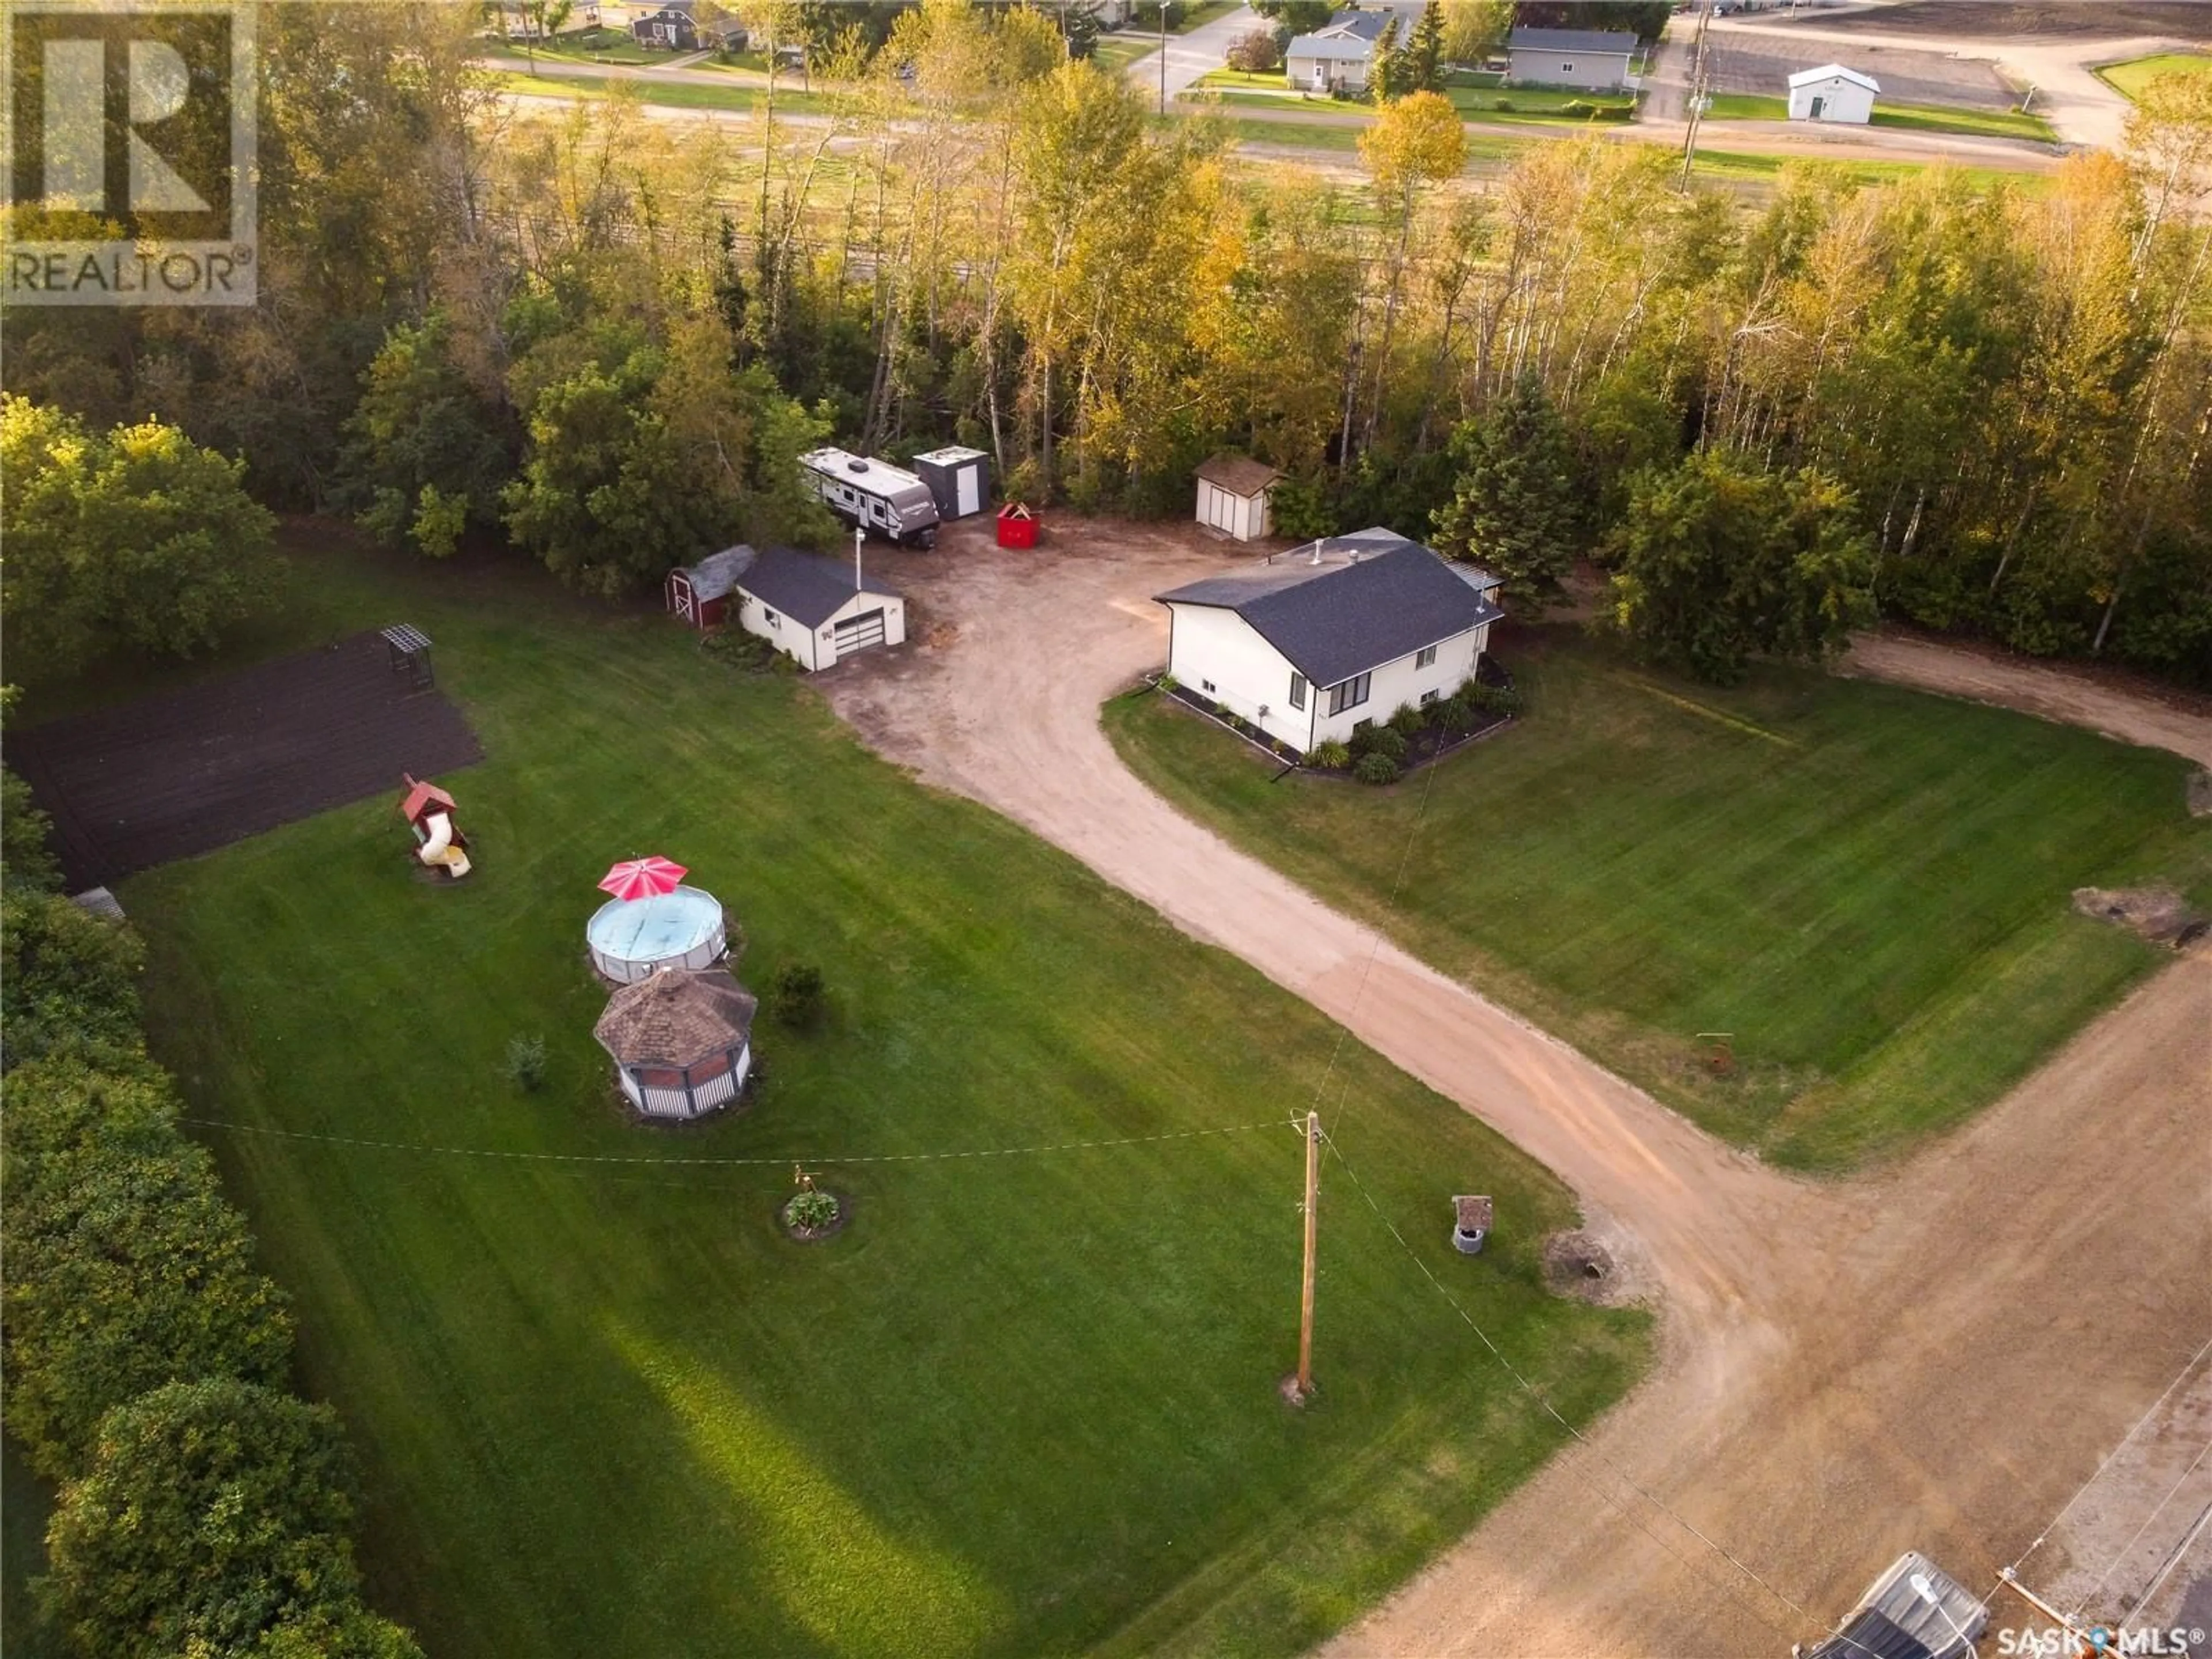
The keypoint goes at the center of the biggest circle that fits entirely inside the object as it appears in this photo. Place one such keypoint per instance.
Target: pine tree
(1514, 511)
(1425, 56)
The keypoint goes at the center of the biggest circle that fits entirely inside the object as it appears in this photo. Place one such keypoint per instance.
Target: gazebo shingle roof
(677, 1017)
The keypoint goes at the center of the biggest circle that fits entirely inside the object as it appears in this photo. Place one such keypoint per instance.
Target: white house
(1831, 93)
(1232, 497)
(1337, 57)
(813, 610)
(1309, 644)
(1595, 59)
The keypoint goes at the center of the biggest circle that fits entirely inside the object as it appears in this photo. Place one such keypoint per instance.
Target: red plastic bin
(1017, 526)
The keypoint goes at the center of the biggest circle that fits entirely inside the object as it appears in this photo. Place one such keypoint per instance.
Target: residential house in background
(1595, 60)
(1308, 645)
(674, 27)
(1338, 58)
(1833, 93)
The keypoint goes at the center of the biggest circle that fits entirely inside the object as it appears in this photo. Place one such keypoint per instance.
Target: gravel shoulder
(1933, 1357)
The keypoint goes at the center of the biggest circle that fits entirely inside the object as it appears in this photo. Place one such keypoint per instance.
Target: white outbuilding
(1232, 497)
(1833, 93)
(817, 612)
(1310, 644)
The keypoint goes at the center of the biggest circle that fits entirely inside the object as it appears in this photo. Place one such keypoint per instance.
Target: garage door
(858, 633)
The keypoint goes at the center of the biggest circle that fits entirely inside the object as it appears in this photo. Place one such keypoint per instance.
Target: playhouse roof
(677, 1016)
(422, 797)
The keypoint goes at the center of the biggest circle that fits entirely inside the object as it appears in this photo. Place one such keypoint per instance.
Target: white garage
(814, 611)
(1833, 93)
(1232, 497)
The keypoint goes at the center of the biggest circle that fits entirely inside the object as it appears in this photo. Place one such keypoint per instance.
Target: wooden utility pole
(1312, 1223)
(1699, 93)
(1164, 57)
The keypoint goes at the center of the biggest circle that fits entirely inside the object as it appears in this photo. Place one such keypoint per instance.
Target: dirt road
(1936, 1356)
(2049, 693)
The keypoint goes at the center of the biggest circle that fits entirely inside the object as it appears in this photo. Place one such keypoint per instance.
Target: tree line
(603, 337)
(205, 1509)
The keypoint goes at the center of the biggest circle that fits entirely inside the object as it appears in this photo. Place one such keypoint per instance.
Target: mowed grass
(1024, 1405)
(1920, 117)
(2129, 78)
(673, 94)
(1866, 888)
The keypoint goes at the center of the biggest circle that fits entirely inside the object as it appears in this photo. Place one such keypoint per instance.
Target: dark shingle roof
(1367, 25)
(807, 590)
(1599, 40)
(1374, 598)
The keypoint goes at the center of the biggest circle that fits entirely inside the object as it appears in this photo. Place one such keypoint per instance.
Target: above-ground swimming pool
(631, 938)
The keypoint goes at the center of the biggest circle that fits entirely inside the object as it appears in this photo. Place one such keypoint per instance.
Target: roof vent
(1317, 558)
(856, 466)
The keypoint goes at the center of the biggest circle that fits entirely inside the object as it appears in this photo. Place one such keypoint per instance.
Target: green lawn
(1118, 52)
(1024, 1405)
(1922, 118)
(1734, 166)
(2129, 78)
(1536, 106)
(677, 95)
(1866, 886)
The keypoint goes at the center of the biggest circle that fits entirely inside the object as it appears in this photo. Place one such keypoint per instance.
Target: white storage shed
(1833, 93)
(1232, 497)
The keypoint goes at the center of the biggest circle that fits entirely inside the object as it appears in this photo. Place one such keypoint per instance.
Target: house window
(1428, 697)
(1566, 69)
(770, 618)
(1297, 690)
(1425, 657)
(1208, 684)
(1348, 695)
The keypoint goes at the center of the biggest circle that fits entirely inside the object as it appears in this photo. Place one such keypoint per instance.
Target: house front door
(1819, 107)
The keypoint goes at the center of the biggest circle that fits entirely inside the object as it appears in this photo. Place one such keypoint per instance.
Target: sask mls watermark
(129, 135)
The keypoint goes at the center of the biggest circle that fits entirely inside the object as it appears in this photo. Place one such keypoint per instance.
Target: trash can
(1017, 526)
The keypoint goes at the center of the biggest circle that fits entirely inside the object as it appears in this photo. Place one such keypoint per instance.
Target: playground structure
(439, 842)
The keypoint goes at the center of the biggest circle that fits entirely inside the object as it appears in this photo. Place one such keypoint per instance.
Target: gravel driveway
(1932, 1356)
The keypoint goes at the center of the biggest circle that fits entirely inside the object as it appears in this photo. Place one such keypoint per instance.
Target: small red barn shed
(699, 594)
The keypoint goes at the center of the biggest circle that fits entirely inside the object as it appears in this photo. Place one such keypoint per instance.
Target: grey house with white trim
(1308, 645)
(1339, 57)
(813, 610)
(1596, 60)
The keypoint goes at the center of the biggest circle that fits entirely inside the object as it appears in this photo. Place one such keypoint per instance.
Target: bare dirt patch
(1743, 61)
(2157, 914)
(2078, 20)
(176, 775)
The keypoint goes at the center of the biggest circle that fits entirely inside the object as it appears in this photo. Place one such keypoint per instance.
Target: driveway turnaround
(1934, 1356)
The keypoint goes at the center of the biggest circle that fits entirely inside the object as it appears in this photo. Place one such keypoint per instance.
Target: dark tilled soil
(185, 772)
(2087, 20)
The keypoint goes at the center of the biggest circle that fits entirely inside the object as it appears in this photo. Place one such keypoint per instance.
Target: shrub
(796, 994)
(1330, 757)
(747, 653)
(1302, 509)
(68, 979)
(1456, 713)
(1501, 699)
(1409, 717)
(1378, 740)
(1168, 683)
(26, 862)
(526, 1063)
(1375, 767)
(356, 1633)
(126, 1270)
(1504, 106)
(213, 1512)
(811, 1211)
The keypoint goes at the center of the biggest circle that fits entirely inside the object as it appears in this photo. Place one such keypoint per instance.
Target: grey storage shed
(960, 480)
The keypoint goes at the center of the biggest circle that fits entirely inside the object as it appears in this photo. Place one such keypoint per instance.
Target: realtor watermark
(2105, 1642)
(128, 133)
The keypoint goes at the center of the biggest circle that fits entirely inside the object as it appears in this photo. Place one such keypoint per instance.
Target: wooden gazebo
(681, 1040)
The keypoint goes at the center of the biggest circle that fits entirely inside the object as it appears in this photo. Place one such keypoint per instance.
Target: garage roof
(1339, 607)
(806, 589)
(1834, 71)
(1612, 41)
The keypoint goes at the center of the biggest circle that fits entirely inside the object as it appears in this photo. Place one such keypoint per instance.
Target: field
(2128, 79)
(1865, 887)
(674, 95)
(1024, 1404)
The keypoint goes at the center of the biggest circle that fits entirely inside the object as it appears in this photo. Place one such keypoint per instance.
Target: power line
(503, 1154)
(2082, 1599)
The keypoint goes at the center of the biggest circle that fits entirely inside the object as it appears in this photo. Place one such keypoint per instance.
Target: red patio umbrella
(647, 878)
